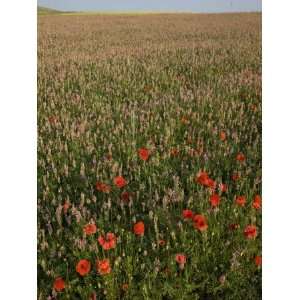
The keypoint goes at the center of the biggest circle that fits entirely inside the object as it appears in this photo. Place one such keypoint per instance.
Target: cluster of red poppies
(200, 222)
(83, 267)
(108, 241)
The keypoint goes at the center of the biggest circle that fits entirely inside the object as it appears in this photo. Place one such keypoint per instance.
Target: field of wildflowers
(149, 157)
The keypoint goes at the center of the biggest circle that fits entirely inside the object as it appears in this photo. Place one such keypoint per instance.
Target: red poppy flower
(103, 266)
(202, 178)
(174, 152)
(119, 181)
(144, 154)
(125, 196)
(256, 202)
(90, 229)
(250, 232)
(109, 157)
(52, 120)
(187, 214)
(66, 206)
(93, 296)
(215, 200)
(59, 284)
(139, 228)
(234, 226)
(253, 107)
(125, 287)
(240, 200)
(180, 258)
(83, 267)
(108, 242)
(240, 157)
(102, 187)
(235, 176)
(258, 260)
(200, 222)
(161, 242)
(185, 121)
(223, 187)
(222, 136)
(205, 180)
(211, 183)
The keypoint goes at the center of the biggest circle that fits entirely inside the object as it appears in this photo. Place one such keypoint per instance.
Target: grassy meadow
(149, 157)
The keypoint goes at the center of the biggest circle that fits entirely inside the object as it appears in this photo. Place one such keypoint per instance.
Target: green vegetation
(172, 103)
(47, 11)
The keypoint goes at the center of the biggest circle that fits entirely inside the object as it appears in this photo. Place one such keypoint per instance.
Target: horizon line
(149, 11)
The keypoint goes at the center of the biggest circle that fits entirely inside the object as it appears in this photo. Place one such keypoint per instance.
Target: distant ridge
(41, 10)
(49, 11)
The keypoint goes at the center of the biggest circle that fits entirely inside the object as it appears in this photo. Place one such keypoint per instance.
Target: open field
(149, 157)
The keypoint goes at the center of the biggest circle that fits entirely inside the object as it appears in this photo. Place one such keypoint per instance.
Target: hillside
(47, 11)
